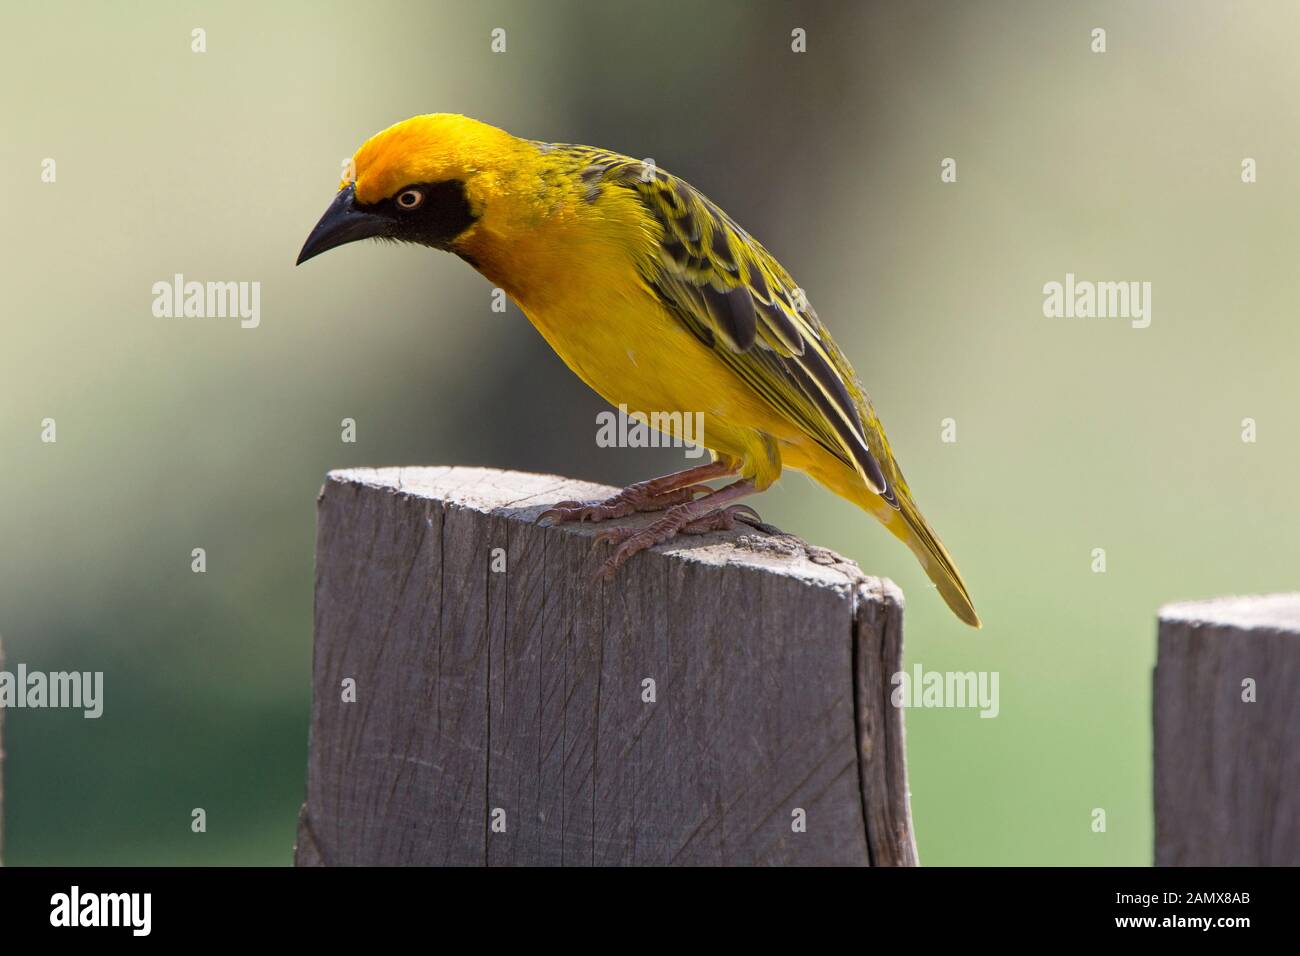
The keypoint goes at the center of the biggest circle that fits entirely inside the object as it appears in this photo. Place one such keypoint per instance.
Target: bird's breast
(582, 289)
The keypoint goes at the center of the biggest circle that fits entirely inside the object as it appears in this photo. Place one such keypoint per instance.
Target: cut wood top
(1273, 612)
(524, 495)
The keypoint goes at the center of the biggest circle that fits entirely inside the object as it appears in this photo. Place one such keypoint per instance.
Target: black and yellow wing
(720, 283)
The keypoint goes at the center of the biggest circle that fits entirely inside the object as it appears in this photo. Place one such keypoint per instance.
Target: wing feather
(733, 295)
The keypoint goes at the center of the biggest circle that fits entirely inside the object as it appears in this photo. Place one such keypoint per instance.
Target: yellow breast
(576, 279)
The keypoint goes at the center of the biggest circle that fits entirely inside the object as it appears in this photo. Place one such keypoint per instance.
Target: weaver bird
(656, 299)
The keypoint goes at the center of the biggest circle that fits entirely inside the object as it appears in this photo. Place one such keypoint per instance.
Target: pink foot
(628, 501)
(680, 520)
(724, 519)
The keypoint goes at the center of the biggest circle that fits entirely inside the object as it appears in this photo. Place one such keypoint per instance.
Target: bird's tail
(909, 526)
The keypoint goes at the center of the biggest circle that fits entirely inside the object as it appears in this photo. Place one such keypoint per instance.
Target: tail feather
(910, 527)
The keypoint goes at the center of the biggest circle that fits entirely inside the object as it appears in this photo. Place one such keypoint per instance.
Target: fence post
(478, 700)
(1227, 732)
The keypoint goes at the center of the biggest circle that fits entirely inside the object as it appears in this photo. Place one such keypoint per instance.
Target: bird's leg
(657, 494)
(692, 517)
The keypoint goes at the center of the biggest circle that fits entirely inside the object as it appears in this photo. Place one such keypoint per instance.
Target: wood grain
(1227, 770)
(481, 693)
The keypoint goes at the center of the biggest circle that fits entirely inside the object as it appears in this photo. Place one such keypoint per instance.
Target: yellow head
(430, 179)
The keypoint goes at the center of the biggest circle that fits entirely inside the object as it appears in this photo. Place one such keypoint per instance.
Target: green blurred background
(1072, 435)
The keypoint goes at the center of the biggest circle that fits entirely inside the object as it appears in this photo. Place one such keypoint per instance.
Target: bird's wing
(735, 297)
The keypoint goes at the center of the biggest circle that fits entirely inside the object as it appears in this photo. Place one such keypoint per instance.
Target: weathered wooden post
(478, 700)
(1227, 732)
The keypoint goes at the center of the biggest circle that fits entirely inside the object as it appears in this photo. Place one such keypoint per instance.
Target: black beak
(343, 222)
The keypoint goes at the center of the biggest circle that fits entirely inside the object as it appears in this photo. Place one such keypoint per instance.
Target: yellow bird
(656, 299)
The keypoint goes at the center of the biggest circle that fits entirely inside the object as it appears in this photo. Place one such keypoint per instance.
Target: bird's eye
(410, 198)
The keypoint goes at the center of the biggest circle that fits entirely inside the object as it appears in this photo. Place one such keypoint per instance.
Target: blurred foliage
(175, 434)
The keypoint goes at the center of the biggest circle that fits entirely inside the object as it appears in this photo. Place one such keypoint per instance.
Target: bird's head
(430, 179)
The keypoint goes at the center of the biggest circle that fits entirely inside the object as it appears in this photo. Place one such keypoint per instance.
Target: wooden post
(1227, 732)
(724, 701)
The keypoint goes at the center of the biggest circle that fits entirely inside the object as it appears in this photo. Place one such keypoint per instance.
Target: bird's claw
(724, 519)
(565, 511)
(627, 502)
(615, 535)
(632, 541)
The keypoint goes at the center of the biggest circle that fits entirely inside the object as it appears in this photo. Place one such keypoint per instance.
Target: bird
(660, 302)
